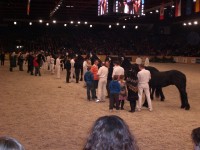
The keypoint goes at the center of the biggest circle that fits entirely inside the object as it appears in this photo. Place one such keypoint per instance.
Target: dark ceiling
(85, 10)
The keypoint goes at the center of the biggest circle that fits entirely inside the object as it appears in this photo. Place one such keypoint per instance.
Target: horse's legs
(152, 90)
(162, 97)
(184, 98)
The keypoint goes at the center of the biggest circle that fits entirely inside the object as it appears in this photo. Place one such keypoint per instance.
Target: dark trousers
(132, 104)
(37, 71)
(89, 89)
(107, 87)
(21, 67)
(31, 69)
(122, 104)
(68, 75)
(2, 62)
(114, 99)
(94, 87)
(77, 73)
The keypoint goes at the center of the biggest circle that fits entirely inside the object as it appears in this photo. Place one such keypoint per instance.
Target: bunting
(178, 8)
(162, 11)
(28, 7)
(197, 6)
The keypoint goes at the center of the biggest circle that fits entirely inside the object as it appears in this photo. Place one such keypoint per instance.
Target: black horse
(171, 77)
(166, 78)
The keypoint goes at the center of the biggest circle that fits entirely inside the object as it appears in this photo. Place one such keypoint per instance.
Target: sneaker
(139, 109)
(111, 110)
(97, 101)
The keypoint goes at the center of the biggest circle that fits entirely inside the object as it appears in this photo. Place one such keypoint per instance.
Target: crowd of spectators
(104, 41)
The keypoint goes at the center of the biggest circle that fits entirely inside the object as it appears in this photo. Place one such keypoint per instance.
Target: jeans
(114, 98)
(89, 89)
(94, 87)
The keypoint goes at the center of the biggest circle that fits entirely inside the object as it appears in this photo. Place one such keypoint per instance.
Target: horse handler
(143, 85)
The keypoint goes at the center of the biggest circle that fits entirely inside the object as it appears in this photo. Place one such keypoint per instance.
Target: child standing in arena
(114, 93)
(88, 78)
(123, 91)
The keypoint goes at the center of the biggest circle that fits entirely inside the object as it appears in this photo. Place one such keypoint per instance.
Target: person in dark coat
(77, 67)
(20, 61)
(30, 59)
(68, 69)
(132, 86)
(2, 58)
(13, 61)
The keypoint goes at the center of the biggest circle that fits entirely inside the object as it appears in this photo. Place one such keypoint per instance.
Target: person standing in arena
(77, 67)
(37, 66)
(2, 58)
(20, 61)
(88, 78)
(103, 74)
(114, 93)
(118, 70)
(94, 70)
(52, 64)
(132, 86)
(123, 91)
(68, 69)
(72, 75)
(58, 67)
(143, 85)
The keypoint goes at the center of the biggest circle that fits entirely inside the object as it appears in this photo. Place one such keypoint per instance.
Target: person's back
(144, 76)
(88, 77)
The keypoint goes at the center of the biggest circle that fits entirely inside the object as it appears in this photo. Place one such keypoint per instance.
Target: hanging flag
(28, 7)
(162, 11)
(197, 6)
(188, 7)
(178, 8)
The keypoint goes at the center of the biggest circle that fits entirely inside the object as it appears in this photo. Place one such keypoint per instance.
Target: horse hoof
(162, 99)
(187, 107)
(182, 106)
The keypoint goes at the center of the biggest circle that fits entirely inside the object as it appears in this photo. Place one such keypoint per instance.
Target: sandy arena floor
(44, 117)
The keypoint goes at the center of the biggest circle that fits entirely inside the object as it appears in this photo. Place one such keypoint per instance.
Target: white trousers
(144, 87)
(102, 88)
(72, 73)
(52, 68)
(58, 71)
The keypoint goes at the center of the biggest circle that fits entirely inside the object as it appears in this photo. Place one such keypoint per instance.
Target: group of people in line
(108, 132)
(99, 77)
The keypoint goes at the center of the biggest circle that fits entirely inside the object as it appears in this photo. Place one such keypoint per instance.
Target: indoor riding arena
(43, 116)
(73, 74)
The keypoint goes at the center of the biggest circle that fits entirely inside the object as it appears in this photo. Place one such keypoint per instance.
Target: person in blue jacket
(114, 87)
(88, 78)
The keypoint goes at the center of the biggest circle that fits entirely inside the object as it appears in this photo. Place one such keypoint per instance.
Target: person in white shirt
(85, 65)
(146, 63)
(143, 85)
(138, 60)
(117, 70)
(48, 62)
(103, 74)
(52, 61)
(72, 75)
(58, 66)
